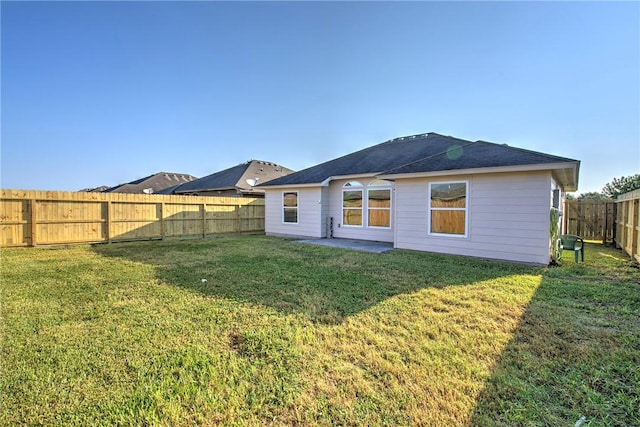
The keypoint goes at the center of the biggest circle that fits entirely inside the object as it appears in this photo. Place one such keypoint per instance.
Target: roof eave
(308, 185)
(568, 178)
(323, 183)
(354, 176)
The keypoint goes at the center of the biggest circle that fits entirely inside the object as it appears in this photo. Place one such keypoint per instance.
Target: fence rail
(628, 223)
(30, 218)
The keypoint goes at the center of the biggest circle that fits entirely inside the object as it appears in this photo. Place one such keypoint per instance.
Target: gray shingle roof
(225, 179)
(168, 190)
(478, 154)
(423, 153)
(235, 177)
(155, 182)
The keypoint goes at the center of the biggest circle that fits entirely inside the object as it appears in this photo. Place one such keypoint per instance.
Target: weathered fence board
(628, 223)
(590, 219)
(29, 218)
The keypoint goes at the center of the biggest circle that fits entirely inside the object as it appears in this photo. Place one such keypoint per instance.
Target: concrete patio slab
(353, 244)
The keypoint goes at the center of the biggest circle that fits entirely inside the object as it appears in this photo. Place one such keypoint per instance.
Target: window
(379, 204)
(448, 208)
(290, 207)
(352, 204)
(556, 198)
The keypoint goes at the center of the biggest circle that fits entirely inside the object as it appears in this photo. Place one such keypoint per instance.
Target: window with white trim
(290, 207)
(379, 204)
(448, 208)
(352, 204)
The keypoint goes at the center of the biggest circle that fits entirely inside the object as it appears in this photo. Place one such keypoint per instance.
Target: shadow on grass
(323, 284)
(575, 351)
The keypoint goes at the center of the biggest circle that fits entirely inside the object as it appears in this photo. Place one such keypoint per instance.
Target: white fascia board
(576, 175)
(357, 176)
(273, 187)
(495, 169)
(324, 183)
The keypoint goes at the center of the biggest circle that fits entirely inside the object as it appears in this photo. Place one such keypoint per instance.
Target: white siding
(324, 212)
(508, 217)
(334, 210)
(310, 209)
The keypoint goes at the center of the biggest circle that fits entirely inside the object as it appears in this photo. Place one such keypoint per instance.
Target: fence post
(239, 228)
(625, 216)
(606, 223)
(163, 230)
(580, 218)
(108, 222)
(634, 227)
(623, 228)
(203, 209)
(32, 206)
(614, 231)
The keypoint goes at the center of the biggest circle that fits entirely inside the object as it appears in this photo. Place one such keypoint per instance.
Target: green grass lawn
(291, 334)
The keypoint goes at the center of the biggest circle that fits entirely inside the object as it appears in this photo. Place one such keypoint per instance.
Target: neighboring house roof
(168, 190)
(427, 154)
(242, 178)
(94, 190)
(152, 183)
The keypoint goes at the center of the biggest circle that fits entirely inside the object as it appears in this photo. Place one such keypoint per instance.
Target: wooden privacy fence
(628, 223)
(590, 219)
(30, 218)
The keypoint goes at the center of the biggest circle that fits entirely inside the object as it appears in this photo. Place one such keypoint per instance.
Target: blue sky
(101, 93)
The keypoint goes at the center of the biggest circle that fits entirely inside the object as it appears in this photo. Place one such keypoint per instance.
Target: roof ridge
(425, 134)
(402, 138)
(388, 141)
(177, 173)
(264, 162)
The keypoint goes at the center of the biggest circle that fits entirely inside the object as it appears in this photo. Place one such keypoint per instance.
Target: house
(237, 181)
(428, 192)
(152, 183)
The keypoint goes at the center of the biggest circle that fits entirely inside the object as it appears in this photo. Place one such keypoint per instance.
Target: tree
(621, 185)
(593, 195)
